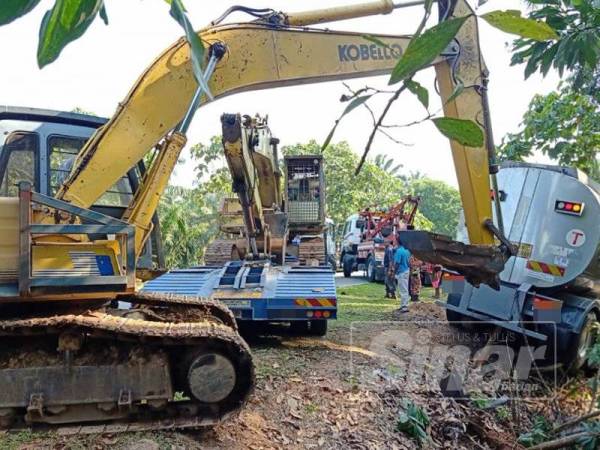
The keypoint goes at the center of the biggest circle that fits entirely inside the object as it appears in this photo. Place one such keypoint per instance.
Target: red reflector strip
(552, 269)
(318, 302)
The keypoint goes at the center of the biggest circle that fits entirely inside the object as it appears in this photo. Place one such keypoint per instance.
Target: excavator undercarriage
(168, 361)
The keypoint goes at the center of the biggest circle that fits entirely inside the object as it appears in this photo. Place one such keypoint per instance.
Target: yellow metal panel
(59, 258)
(471, 164)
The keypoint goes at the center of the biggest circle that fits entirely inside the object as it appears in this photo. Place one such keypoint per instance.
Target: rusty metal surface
(221, 251)
(312, 251)
(478, 263)
(192, 305)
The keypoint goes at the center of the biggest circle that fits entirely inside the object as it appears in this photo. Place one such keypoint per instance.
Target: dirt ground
(334, 392)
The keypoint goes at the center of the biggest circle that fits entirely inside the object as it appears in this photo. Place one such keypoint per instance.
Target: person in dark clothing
(388, 267)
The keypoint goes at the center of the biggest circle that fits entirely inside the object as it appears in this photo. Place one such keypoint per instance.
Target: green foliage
(466, 132)
(64, 23)
(13, 9)
(563, 125)
(592, 440)
(414, 421)
(197, 48)
(577, 23)
(503, 413)
(425, 48)
(540, 432)
(387, 164)
(440, 204)
(421, 93)
(511, 22)
(189, 217)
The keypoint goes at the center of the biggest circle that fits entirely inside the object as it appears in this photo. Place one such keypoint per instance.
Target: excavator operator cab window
(62, 153)
(18, 162)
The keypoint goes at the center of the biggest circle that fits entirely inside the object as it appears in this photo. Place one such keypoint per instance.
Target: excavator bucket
(478, 263)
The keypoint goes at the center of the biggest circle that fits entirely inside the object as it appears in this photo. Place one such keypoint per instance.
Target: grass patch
(363, 302)
(366, 302)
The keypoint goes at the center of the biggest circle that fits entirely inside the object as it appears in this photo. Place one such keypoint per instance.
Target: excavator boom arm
(260, 55)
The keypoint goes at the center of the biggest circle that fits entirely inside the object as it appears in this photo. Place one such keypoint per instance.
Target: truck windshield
(62, 153)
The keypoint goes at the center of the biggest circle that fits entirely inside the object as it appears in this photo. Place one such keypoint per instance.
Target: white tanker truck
(550, 290)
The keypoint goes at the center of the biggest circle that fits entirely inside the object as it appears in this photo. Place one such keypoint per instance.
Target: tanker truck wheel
(582, 343)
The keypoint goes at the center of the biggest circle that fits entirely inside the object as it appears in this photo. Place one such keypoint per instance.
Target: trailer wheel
(454, 319)
(347, 266)
(583, 342)
(318, 327)
(371, 275)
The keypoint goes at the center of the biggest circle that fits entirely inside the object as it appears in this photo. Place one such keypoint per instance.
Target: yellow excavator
(81, 346)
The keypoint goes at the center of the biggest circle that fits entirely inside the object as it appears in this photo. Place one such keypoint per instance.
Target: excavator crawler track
(220, 251)
(311, 251)
(194, 371)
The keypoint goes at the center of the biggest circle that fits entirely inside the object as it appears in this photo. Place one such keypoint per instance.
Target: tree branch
(576, 421)
(562, 442)
(392, 99)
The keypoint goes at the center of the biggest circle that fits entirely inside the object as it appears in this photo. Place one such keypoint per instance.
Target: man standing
(388, 267)
(401, 258)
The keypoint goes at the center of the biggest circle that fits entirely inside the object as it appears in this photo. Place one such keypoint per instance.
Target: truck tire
(454, 318)
(318, 327)
(347, 266)
(299, 327)
(371, 269)
(582, 343)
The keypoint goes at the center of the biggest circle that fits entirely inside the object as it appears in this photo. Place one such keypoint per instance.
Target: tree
(440, 203)
(563, 125)
(190, 217)
(577, 24)
(348, 193)
(387, 164)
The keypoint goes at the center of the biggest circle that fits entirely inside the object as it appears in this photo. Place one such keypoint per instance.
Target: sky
(96, 72)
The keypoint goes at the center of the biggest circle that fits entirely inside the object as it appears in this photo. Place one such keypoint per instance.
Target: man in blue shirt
(388, 267)
(401, 268)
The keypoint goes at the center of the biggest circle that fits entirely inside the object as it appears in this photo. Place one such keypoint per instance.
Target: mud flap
(478, 263)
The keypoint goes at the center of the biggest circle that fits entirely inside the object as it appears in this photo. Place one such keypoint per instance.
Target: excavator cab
(39, 147)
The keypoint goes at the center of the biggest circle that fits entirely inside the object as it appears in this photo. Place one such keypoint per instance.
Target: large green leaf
(510, 21)
(13, 9)
(421, 93)
(196, 46)
(354, 103)
(466, 132)
(423, 49)
(64, 23)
